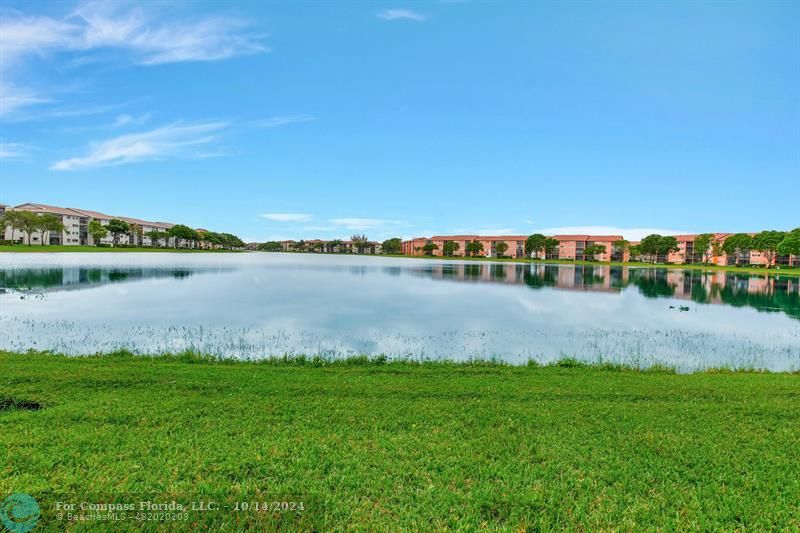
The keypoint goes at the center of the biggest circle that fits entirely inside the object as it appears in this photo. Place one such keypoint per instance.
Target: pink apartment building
(687, 254)
(516, 245)
(571, 247)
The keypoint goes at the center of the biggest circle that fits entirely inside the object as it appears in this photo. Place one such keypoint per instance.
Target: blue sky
(322, 119)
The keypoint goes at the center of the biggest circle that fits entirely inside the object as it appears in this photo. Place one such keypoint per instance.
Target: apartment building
(515, 245)
(688, 254)
(141, 228)
(330, 247)
(76, 227)
(569, 246)
(572, 247)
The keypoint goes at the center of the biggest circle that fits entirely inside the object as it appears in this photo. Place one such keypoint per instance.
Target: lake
(256, 305)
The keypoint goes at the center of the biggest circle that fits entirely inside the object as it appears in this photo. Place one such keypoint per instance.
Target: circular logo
(19, 513)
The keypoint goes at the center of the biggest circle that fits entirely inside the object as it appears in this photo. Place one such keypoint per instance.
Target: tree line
(359, 243)
(653, 248)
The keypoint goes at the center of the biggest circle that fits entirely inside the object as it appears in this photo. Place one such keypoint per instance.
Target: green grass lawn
(404, 446)
(21, 248)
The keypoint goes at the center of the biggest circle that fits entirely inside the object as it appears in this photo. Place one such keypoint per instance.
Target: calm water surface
(259, 305)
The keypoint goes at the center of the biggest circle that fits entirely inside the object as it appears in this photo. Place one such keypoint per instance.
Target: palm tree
(360, 242)
(136, 234)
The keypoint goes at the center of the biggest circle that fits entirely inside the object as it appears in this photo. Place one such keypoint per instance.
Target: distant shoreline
(774, 271)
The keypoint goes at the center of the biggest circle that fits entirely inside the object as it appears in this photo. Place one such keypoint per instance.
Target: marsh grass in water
(374, 444)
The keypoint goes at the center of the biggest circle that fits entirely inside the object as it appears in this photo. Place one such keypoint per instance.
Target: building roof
(692, 237)
(139, 221)
(93, 214)
(44, 208)
(504, 238)
(571, 237)
(593, 238)
(605, 238)
(452, 237)
(73, 211)
(478, 237)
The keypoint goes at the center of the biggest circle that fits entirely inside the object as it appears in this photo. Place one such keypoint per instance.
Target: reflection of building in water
(576, 277)
(80, 277)
(766, 293)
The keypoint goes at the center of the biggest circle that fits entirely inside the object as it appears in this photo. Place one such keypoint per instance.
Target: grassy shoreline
(317, 361)
(16, 248)
(396, 445)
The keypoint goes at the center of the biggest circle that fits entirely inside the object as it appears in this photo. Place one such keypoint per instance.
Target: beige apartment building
(76, 228)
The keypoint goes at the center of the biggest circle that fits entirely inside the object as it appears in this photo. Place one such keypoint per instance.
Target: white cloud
(287, 217)
(282, 120)
(63, 112)
(633, 234)
(401, 14)
(167, 141)
(362, 223)
(116, 25)
(13, 98)
(125, 119)
(14, 151)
